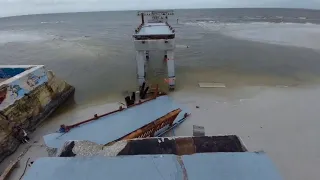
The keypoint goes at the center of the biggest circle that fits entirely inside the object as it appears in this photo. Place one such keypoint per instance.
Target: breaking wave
(16, 36)
(54, 22)
(293, 34)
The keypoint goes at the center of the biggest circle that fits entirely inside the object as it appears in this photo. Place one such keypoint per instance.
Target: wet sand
(282, 121)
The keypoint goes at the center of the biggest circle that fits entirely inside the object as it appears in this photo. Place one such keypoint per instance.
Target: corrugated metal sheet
(112, 127)
(219, 166)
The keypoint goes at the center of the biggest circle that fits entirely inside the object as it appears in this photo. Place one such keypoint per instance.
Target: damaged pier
(155, 34)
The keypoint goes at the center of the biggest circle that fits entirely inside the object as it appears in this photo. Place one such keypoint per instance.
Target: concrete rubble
(31, 109)
(87, 148)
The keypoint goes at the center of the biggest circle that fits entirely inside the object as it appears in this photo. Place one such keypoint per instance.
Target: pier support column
(140, 57)
(165, 57)
(171, 73)
(147, 55)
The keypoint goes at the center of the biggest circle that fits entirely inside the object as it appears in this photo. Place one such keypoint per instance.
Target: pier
(154, 34)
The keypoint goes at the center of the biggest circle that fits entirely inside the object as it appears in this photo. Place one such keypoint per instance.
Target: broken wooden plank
(13, 164)
(9, 169)
(212, 85)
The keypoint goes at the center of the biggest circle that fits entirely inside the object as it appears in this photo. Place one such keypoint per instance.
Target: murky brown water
(94, 51)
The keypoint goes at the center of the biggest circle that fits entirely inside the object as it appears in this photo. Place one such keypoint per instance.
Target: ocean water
(94, 51)
(268, 58)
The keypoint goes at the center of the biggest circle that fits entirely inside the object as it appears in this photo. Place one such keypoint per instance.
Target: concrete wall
(17, 86)
(27, 99)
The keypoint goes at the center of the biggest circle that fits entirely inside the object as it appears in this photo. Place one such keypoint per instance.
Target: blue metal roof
(230, 166)
(112, 127)
(218, 166)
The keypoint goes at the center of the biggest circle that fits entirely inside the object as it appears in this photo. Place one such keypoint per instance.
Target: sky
(22, 7)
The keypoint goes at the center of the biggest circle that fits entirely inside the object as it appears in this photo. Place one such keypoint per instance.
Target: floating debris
(198, 130)
(212, 85)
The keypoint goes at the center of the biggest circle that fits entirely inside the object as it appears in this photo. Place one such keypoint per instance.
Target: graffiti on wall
(21, 86)
(15, 90)
(34, 80)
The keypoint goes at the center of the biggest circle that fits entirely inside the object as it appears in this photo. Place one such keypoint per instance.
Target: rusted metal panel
(163, 145)
(217, 144)
(185, 146)
(149, 146)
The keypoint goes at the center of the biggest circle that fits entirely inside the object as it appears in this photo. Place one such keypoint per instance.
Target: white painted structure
(155, 35)
(18, 81)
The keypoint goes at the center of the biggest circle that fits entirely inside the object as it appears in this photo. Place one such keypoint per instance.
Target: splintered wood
(13, 164)
(8, 170)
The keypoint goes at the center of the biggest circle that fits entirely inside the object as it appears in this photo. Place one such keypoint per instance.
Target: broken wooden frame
(153, 129)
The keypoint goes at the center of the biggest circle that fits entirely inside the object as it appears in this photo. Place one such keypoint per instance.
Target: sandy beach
(263, 127)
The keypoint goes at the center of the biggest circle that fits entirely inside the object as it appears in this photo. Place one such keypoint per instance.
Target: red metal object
(69, 127)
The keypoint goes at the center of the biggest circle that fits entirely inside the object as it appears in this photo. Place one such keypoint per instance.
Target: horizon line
(149, 9)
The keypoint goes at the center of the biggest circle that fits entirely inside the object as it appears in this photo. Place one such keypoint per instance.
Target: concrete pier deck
(150, 29)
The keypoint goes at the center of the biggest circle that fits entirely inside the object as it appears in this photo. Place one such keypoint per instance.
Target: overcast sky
(19, 7)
